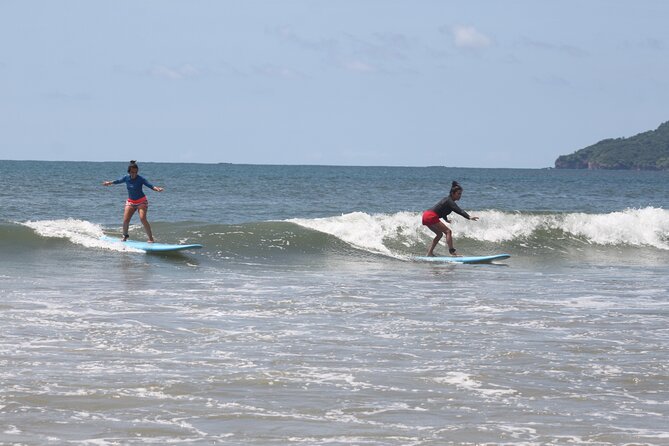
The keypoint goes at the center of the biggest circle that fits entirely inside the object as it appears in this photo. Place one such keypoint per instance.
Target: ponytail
(455, 186)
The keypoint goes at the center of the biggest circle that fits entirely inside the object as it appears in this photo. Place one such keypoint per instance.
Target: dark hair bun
(455, 183)
(133, 161)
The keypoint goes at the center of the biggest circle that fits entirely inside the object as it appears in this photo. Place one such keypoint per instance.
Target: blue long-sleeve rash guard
(134, 186)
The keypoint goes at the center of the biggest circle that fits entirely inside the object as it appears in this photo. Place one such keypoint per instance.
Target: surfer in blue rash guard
(137, 201)
(432, 216)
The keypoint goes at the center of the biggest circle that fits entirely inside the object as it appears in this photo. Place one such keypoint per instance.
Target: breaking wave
(382, 233)
(398, 235)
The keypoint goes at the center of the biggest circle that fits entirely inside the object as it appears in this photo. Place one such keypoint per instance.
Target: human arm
(151, 186)
(455, 208)
(110, 183)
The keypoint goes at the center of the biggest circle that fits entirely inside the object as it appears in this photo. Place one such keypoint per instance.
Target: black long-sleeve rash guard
(446, 206)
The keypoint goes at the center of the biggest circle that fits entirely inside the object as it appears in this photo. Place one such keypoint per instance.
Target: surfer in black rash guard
(432, 216)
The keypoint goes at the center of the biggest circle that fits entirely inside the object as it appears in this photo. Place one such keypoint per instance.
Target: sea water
(305, 319)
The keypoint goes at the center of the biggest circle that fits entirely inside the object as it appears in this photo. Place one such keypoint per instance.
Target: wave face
(398, 235)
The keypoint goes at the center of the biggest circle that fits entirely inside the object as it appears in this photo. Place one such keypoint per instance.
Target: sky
(473, 83)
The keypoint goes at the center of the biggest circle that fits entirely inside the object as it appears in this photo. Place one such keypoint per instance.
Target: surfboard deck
(469, 259)
(151, 247)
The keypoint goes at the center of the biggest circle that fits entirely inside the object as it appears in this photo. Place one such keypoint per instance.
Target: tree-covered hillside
(645, 151)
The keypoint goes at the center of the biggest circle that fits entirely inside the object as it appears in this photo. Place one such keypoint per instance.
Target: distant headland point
(645, 151)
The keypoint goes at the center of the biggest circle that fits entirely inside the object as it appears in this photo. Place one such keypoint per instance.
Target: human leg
(127, 215)
(440, 229)
(147, 227)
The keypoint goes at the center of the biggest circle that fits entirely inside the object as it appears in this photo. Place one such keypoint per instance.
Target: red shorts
(430, 218)
(138, 204)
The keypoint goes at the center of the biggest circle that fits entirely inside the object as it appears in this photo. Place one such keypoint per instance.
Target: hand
(107, 183)
(474, 218)
(158, 189)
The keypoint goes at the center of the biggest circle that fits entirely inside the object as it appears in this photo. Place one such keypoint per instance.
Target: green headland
(645, 151)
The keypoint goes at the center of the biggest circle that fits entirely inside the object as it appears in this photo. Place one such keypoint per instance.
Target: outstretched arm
(458, 210)
(109, 183)
(152, 187)
(464, 214)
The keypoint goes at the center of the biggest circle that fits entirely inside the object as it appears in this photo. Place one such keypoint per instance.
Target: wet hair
(455, 186)
(133, 164)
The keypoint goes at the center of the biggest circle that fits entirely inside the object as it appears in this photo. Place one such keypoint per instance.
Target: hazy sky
(351, 82)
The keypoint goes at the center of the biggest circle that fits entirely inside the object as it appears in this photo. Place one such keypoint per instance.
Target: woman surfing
(137, 201)
(432, 216)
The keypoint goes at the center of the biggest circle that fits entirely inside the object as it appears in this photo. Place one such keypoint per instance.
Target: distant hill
(645, 151)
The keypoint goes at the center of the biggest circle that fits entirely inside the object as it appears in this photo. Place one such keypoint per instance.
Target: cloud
(646, 44)
(287, 34)
(384, 47)
(569, 50)
(373, 53)
(468, 37)
(185, 71)
(357, 66)
(552, 81)
(278, 72)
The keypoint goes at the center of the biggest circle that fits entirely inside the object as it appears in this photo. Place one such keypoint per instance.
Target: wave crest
(378, 233)
(80, 232)
(400, 235)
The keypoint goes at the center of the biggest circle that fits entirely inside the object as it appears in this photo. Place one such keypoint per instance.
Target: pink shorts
(430, 218)
(142, 203)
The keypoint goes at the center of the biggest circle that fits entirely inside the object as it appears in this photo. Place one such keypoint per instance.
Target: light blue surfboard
(151, 247)
(470, 259)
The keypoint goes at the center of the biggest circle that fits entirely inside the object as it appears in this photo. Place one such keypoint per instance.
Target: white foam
(80, 232)
(637, 227)
(12, 430)
(466, 382)
(367, 231)
(371, 232)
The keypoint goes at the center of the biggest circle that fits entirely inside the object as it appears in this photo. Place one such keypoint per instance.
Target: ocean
(306, 320)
